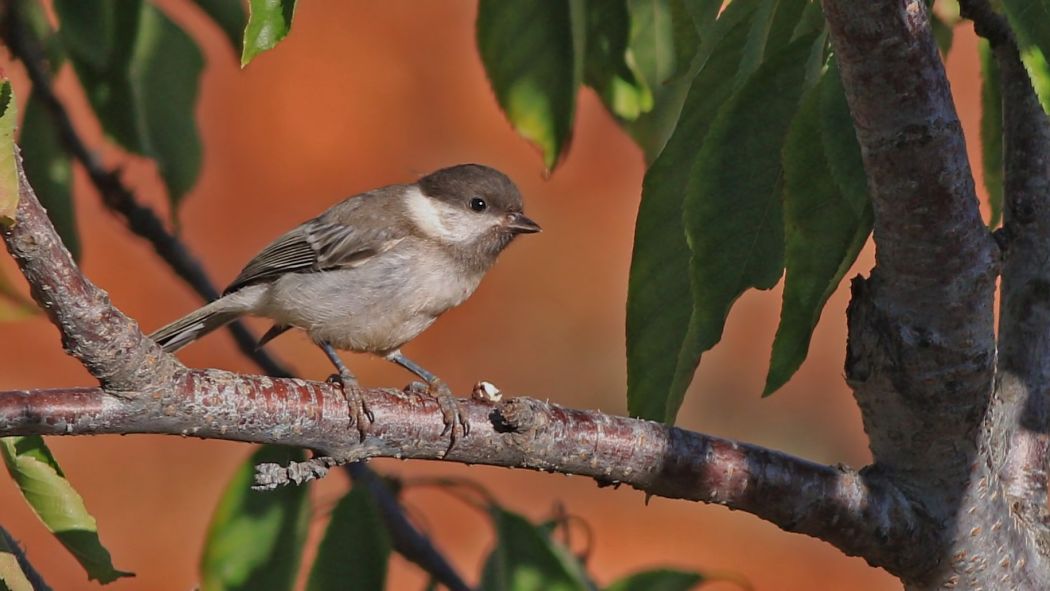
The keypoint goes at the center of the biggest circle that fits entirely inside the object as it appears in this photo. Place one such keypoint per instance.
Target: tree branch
(140, 219)
(31, 574)
(855, 511)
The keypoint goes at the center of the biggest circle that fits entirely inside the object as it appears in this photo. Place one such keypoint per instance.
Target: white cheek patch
(445, 222)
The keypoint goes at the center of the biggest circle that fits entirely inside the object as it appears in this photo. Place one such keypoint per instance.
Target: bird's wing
(348, 238)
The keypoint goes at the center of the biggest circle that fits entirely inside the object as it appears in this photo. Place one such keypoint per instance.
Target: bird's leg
(450, 410)
(363, 417)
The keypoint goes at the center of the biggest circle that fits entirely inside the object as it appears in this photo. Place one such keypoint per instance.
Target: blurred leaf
(652, 39)
(12, 578)
(49, 169)
(526, 559)
(165, 72)
(255, 540)
(659, 300)
(1030, 20)
(991, 132)
(606, 67)
(229, 15)
(269, 22)
(145, 90)
(8, 164)
(354, 553)
(663, 579)
(33, 14)
(825, 225)
(57, 504)
(733, 213)
(943, 33)
(528, 52)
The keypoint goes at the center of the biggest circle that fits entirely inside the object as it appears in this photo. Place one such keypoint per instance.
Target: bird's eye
(478, 204)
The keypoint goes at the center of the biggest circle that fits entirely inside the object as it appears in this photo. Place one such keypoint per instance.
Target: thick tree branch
(140, 219)
(1022, 393)
(855, 511)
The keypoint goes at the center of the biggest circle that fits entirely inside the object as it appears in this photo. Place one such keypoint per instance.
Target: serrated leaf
(255, 539)
(825, 224)
(659, 300)
(229, 15)
(49, 169)
(526, 559)
(733, 214)
(355, 551)
(12, 577)
(57, 504)
(606, 66)
(991, 132)
(269, 22)
(8, 164)
(663, 579)
(528, 52)
(1030, 20)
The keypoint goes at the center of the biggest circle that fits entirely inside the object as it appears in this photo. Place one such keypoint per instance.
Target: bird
(373, 271)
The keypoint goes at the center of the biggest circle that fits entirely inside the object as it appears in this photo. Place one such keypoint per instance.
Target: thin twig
(31, 573)
(141, 220)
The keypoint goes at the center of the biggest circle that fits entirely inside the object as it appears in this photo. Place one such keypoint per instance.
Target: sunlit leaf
(229, 15)
(825, 225)
(733, 213)
(606, 65)
(49, 169)
(354, 553)
(528, 52)
(664, 579)
(269, 21)
(57, 504)
(255, 539)
(526, 559)
(659, 300)
(12, 577)
(991, 132)
(8, 165)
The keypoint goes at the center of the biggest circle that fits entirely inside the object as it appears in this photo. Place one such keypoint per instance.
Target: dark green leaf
(50, 171)
(606, 67)
(943, 33)
(57, 504)
(526, 559)
(165, 71)
(733, 213)
(528, 52)
(231, 18)
(354, 553)
(1030, 20)
(33, 14)
(659, 300)
(825, 224)
(771, 30)
(255, 539)
(89, 29)
(269, 22)
(991, 132)
(663, 579)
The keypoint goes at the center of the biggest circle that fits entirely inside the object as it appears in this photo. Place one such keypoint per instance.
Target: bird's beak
(519, 224)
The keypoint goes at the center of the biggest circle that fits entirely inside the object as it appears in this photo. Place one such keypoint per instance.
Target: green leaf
(12, 577)
(354, 553)
(528, 52)
(663, 579)
(255, 540)
(943, 33)
(991, 132)
(49, 169)
(8, 162)
(35, 18)
(144, 88)
(526, 559)
(659, 300)
(825, 224)
(229, 15)
(1030, 20)
(269, 22)
(771, 29)
(57, 504)
(606, 67)
(733, 213)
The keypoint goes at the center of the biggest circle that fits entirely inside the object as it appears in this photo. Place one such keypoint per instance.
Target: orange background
(364, 94)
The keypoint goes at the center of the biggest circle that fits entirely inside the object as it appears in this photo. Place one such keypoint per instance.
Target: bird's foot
(451, 412)
(359, 411)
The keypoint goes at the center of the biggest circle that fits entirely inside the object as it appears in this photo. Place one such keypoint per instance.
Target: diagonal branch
(141, 220)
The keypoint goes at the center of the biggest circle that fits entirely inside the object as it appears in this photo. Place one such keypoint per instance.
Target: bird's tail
(196, 324)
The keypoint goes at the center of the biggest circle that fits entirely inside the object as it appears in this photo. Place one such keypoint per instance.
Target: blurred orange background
(363, 94)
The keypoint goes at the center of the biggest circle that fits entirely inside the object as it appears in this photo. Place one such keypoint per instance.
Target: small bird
(374, 271)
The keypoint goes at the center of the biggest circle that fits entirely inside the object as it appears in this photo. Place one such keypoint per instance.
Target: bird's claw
(451, 412)
(359, 410)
